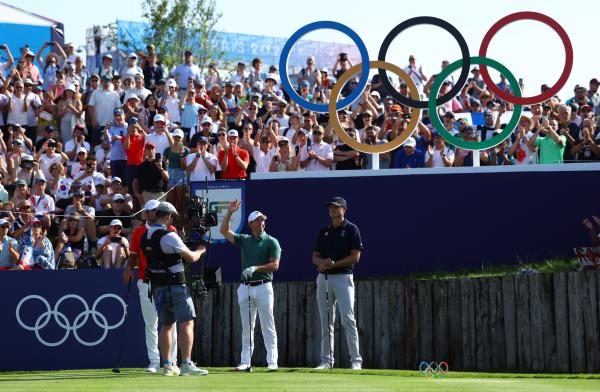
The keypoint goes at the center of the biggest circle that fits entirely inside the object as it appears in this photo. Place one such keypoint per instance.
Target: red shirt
(135, 247)
(234, 171)
(135, 152)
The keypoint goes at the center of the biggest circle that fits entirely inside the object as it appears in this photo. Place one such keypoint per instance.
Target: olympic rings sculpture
(413, 102)
(62, 320)
(434, 369)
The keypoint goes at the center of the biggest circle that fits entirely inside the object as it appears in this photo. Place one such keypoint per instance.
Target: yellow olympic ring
(373, 148)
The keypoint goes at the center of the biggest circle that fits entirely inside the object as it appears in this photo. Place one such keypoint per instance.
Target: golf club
(116, 369)
(249, 369)
(328, 321)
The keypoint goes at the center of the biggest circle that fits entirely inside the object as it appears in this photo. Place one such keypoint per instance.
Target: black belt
(253, 283)
(167, 279)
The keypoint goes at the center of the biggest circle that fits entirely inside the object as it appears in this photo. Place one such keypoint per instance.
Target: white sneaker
(169, 371)
(356, 365)
(323, 365)
(242, 367)
(152, 368)
(176, 370)
(189, 369)
(272, 366)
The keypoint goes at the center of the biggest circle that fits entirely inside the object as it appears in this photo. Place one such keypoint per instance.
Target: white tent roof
(11, 14)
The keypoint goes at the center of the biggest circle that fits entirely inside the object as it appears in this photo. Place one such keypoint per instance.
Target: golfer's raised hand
(234, 206)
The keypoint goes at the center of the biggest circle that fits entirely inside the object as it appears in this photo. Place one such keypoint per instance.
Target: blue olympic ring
(285, 53)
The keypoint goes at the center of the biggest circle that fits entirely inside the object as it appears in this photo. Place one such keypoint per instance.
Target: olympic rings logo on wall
(62, 320)
(413, 100)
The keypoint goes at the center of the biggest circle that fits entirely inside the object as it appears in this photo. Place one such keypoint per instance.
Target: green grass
(485, 271)
(221, 379)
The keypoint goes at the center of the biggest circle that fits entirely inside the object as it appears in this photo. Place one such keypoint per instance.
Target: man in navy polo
(338, 248)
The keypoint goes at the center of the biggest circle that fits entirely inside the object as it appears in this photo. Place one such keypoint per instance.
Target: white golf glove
(247, 273)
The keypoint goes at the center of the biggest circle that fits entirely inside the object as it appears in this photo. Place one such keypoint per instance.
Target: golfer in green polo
(260, 258)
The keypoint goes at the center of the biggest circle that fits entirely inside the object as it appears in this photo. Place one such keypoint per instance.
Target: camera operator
(151, 177)
(138, 258)
(165, 253)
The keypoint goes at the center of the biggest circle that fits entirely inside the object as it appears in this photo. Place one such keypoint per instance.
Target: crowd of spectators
(82, 149)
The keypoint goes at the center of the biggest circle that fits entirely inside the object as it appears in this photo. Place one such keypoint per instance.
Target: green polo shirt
(257, 252)
(550, 151)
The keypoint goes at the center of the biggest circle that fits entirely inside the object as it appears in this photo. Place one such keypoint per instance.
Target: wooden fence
(528, 323)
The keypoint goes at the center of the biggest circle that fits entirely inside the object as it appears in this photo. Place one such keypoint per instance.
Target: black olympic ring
(464, 72)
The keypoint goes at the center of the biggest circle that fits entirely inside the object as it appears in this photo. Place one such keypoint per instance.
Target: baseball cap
(149, 144)
(475, 101)
(35, 221)
(282, 139)
(118, 196)
(304, 83)
(187, 53)
(206, 120)
(82, 149)
(272, 77)
(488, 112)
(20, 182)
(171, 83)
(151, 204)
(304, 131)
(255, 215)
(115, 179)
(203, 139)
(178, 132)
(4, 221)
(133, 121)
(18, 141)
(238, 84)
(159, 117)
(132, 55)
(294, 114)
(410, 142)
(594, 80)
(370, 113)
(26, 157)
(70, 87)
(107, 56)
(475, 69)
(395, 108)
(107, 78)
(232, 132)
(78, 193)
(337, 201)
(132, 96)
(118, 111)
(50, 128)
(116, 222)
(256, 95)
(585, 107)
(165, 206)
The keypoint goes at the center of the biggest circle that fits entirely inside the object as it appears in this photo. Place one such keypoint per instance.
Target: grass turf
(222, 379)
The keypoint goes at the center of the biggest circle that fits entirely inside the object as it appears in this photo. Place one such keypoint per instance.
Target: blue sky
(529, 49)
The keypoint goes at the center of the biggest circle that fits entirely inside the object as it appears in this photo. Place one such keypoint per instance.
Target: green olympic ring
(456, 141)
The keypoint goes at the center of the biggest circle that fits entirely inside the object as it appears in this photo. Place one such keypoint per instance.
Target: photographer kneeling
(164, 252)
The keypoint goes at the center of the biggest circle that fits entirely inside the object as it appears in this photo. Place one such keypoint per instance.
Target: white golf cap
(178, 132)
(4, 221)
(116, 222)
(118, 196)
(70, 87)
(256, 214)
(132, 55)
(410, 142)
(151, 205)
(171, 83)
(206, 120)
(116, 179)
(132, 96)
(159, 117)
(232, 132)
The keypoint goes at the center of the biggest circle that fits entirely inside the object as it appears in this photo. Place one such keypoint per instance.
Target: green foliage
(178, 25)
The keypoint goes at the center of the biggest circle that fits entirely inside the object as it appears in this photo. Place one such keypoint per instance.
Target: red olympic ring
(568, 57)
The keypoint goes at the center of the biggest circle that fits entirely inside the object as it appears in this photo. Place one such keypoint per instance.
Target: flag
(88, 185)
(64, 185)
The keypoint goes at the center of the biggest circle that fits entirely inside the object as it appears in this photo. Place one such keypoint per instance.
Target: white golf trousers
(341, 292)
(261, 298)
(151, 327)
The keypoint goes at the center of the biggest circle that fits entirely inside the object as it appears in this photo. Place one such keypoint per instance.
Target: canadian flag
(64, 185)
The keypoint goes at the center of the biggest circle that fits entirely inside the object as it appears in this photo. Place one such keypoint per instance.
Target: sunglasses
(19, 87)
(116, 227)
(282, 144)
(205, 125)
(220, 134)
(22, 186)
(72, 220)
(119, 202)
(252, 109)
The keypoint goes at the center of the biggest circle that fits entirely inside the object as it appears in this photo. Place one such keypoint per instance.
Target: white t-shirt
(263, 161)
(113, 246)
(42, 204)
(33, 101)
(69, 145)
(172, 104)
(3, 102)
(104, 103)
(322, 150)
(17, 115)
(201, 172)
(437, 157)
(531, 155)
(160, 141)
(46, 162)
